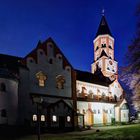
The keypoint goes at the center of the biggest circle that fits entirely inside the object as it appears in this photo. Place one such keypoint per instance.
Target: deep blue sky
(71, 23)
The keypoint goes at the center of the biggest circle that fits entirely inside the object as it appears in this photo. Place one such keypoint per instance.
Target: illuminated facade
(99, 94)
(70, 97)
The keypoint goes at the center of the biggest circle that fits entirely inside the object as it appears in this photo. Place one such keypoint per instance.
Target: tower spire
(103, 26)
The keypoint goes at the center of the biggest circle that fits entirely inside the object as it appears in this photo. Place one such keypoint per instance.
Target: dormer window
(41, 78)
(60, 81)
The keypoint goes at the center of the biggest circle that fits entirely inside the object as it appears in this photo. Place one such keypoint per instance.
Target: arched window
(60, 80)
(54, 118)
(68, 68)
(43, 118)
(41, 78)
(2, 87)
(124, 106)
(68, 118)
(59, 56)
(34, 117)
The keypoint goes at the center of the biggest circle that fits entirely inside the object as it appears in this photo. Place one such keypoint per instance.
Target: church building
(43, 86)
(100, 97)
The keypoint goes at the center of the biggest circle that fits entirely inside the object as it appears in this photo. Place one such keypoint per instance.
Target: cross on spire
(103, 12)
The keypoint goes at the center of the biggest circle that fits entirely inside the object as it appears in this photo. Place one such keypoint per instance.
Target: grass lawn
(127, 132)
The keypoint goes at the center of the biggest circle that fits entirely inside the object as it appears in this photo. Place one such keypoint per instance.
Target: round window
(110, 62)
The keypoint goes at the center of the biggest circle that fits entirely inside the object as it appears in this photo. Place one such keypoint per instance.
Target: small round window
(110, 62)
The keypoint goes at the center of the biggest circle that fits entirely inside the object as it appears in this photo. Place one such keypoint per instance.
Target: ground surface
(125, 132)
(128, 132)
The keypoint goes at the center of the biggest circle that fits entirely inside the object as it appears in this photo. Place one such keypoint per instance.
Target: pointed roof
(121, 102)
(103, 27)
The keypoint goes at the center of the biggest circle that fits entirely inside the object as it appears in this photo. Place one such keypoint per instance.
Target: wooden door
(104, 117)
(89, 117)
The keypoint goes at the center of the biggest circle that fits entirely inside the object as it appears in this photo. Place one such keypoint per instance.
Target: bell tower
(104, 50)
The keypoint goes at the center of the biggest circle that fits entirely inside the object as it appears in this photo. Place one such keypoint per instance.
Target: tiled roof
(96, 78)
(10, 62)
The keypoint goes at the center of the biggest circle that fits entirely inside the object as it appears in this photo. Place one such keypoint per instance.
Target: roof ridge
(9, 55)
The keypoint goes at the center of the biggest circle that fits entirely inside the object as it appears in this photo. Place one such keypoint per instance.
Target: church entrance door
(61, 122)
(104, 117)
(89, 117)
